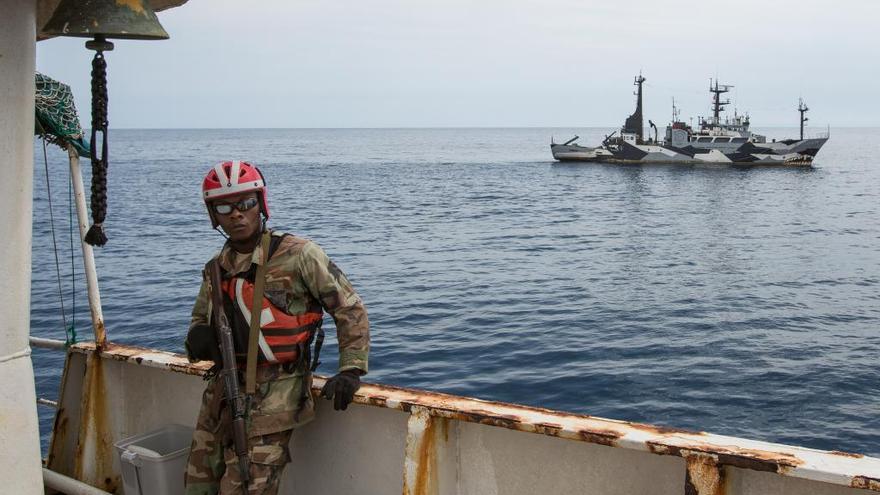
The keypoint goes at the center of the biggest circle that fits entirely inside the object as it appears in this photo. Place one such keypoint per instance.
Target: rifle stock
(235, 399)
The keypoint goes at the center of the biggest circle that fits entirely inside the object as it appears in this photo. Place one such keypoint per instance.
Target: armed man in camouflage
(300, 283)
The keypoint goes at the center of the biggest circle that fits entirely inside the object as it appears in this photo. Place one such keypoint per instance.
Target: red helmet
(230, 178)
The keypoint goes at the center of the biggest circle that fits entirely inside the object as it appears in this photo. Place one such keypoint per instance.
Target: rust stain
(426, 473)
(602, 437)
(703, 476)
(377, 400)
(663, 449)
(189, 369)
(515, 417)
(145, 357)
(663, 430)
(756, 460)
(100, 334)
(437, 400)
(551, 429)
(59, 433)
(95, 467)
(489, 418)
(846, 454)
(866, 483)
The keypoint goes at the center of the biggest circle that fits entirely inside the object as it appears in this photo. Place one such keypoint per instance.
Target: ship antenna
(802, 108)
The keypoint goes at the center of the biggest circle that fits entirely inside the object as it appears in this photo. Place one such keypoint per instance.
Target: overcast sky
(405, 63)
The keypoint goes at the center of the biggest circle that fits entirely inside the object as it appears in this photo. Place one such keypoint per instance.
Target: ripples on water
(738, 301)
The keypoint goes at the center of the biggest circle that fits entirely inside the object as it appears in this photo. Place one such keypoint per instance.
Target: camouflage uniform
(298, 275)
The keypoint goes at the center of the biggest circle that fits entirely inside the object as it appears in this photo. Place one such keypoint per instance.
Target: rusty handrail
(702, 451)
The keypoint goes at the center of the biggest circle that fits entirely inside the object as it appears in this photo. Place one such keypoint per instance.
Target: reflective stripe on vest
(280, 333)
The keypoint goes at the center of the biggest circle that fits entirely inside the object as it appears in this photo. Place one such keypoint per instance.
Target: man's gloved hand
(341, 388)
(201, 343)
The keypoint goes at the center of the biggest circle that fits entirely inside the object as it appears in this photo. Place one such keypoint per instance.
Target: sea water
(741, 301)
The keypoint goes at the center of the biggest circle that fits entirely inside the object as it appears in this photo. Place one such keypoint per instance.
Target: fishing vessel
(713, 140)
(392, 439)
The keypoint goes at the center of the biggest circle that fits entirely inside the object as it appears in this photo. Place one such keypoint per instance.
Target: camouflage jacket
(298, 276)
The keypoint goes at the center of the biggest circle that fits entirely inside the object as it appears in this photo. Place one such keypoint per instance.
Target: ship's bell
(122, 19)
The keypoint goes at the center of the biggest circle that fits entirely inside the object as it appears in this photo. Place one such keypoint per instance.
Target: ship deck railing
(422, 442)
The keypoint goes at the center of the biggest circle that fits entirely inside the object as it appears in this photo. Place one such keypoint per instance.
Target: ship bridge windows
(722, 140)
(738, 140)
(704, 140)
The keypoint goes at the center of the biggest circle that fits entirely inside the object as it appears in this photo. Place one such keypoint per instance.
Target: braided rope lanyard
(96, 236)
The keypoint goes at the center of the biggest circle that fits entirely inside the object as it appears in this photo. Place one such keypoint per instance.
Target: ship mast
(717, 104)
(802, 108)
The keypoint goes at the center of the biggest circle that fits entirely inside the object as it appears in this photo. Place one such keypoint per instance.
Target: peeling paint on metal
(756, 460)
(704, 476)
(866, 483)
(145, 357)
(602, 437)
(663, 430)
(100, 333)
(551, 429)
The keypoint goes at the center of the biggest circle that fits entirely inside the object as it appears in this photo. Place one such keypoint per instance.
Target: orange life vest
(283, 337)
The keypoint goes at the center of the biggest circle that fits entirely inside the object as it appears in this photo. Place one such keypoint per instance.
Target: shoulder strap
(275, 242)
(256, 311)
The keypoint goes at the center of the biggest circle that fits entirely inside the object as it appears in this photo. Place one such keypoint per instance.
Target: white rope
(16, 355)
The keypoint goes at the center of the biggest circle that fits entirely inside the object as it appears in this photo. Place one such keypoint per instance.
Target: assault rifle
(235, 398)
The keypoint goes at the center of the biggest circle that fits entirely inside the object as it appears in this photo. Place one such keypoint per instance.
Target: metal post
(88, 254)
(19, 427)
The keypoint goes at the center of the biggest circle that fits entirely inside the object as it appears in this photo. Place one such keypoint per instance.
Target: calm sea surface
(738, 301)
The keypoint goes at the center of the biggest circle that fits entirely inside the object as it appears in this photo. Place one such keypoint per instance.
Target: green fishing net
(57, 120)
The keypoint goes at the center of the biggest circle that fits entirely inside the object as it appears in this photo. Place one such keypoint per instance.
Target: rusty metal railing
(707, 456)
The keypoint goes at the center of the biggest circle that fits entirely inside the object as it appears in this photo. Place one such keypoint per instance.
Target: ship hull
(784, 153)
(398, 440)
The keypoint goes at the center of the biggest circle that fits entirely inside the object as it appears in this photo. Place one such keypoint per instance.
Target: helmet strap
(220, 231)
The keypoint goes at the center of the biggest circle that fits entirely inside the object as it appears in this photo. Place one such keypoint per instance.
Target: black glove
(341, 388)
(201, 343)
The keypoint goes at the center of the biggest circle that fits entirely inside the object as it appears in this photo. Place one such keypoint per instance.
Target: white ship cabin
(712, 133)
(630, 138)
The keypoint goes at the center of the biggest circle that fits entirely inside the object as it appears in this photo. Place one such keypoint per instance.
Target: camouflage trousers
(213, 467)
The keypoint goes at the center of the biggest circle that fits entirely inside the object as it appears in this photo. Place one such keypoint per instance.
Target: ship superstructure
(713, 140)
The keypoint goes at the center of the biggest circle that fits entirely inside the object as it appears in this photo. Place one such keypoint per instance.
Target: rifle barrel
(235, 399)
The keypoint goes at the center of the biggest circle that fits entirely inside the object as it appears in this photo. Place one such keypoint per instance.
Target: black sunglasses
(243, 205)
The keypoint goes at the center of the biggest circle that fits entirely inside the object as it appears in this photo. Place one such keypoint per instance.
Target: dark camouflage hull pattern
(788, 152)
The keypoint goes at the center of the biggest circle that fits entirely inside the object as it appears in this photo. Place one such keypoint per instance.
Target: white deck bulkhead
(20, 469)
